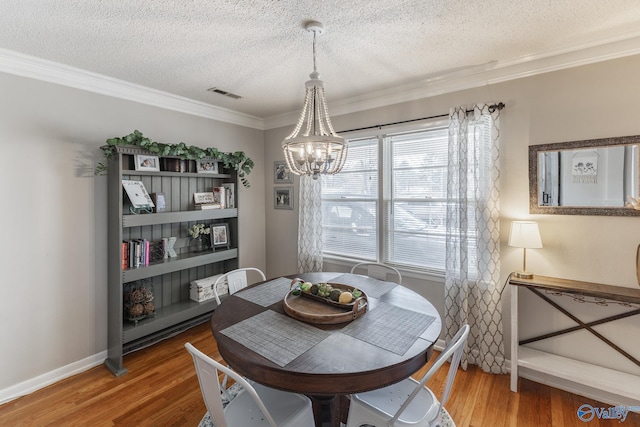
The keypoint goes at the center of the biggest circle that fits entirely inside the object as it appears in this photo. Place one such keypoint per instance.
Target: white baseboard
(26, 387)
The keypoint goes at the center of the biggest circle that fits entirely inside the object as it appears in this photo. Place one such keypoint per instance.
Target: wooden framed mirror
(591, 177)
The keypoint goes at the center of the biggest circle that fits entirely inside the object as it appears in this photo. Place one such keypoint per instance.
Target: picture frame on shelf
(281, 173)
(203, 201)
(159, 202)
(144, 162)
(220, 236)
(206, 166)
(283, 197)
(200, 198)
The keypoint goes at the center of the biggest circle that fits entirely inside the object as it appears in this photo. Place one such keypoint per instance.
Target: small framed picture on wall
(281, 173)
(283, 198)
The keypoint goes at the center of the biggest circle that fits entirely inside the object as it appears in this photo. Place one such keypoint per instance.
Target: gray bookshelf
(170, 278)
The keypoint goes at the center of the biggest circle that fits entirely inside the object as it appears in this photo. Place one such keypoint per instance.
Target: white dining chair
(255, 405)
(236, 279)
(379, 271)
(409, 402)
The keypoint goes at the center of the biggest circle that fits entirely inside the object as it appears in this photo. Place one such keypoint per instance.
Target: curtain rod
(492, 108)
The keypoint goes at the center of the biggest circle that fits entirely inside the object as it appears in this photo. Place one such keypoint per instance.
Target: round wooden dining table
(326, 362)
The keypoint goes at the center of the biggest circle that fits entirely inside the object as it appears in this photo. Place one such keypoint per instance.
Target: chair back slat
(236, 280)
(452, 351)
(207, 370)
(379, 271)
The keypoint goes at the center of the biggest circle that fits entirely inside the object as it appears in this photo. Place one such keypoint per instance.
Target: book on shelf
(206, 200)
(219, 196)
(204, 206)
(137, 253)
(141, 252)
(125, 255)
(230, 194)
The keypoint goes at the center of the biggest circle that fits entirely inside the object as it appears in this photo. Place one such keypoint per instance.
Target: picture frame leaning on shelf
(220, 238)
(140, 200)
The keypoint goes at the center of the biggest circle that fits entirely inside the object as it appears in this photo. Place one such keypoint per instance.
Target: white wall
(594, 101)
(53, 295)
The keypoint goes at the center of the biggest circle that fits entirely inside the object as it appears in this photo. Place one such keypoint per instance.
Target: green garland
(237, 160)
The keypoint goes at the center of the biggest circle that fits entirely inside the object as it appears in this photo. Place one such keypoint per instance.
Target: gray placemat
(374, 288)
(393, 328)
(267, 293)
(275, 336)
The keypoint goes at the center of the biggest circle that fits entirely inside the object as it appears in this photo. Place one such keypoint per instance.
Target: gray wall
(587, 102)
(53, 295)
(53, 259)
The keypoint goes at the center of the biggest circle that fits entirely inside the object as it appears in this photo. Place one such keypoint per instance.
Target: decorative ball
(137, 296)
(136, 310)
(149, 308)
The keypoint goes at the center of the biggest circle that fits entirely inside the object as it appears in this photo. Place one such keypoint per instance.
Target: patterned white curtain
(310, 226)
(472, 292)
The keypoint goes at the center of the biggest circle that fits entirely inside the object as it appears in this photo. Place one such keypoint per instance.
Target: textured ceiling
(260, 51)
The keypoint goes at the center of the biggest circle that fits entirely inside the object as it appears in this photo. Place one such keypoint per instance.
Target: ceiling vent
(223, 92)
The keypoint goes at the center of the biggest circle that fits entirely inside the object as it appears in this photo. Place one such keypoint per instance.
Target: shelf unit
(174, 310)
(575, 376)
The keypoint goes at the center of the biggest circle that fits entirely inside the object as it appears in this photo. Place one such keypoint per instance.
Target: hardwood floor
(161, 389)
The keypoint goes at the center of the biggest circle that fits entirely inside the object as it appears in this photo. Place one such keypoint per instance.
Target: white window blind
(411, 206)
(350, 204)
(415, 196)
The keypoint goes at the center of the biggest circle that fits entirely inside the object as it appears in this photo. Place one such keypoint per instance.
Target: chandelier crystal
(313, 147)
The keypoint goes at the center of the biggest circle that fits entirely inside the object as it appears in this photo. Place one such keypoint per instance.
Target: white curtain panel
(310, 226)
(472, 291)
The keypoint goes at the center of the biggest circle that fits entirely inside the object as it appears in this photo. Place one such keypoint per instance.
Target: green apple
(306, 286)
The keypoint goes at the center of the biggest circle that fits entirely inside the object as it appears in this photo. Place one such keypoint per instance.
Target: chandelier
(314, 148)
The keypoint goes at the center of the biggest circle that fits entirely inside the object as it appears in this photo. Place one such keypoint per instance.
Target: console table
(610, 381)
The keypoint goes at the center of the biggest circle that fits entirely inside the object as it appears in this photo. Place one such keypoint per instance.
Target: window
(350, 204)
(415, 198)
(388, 203)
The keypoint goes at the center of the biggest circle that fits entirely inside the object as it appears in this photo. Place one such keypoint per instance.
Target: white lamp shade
(525, 234)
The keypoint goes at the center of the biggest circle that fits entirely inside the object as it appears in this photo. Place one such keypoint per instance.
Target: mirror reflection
(593, 177)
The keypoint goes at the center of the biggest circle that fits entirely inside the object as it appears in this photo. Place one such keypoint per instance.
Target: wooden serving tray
(310, 308)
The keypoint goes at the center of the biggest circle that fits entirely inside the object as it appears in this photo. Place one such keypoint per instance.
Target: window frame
(382, 201)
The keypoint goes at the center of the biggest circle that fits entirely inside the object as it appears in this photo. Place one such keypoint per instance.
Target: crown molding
(490, 73)
(12, 62)
(477, 76)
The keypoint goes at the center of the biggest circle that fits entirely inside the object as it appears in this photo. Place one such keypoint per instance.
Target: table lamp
(526, 235)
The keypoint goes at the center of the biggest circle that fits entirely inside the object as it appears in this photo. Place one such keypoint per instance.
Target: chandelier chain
(315, 69)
